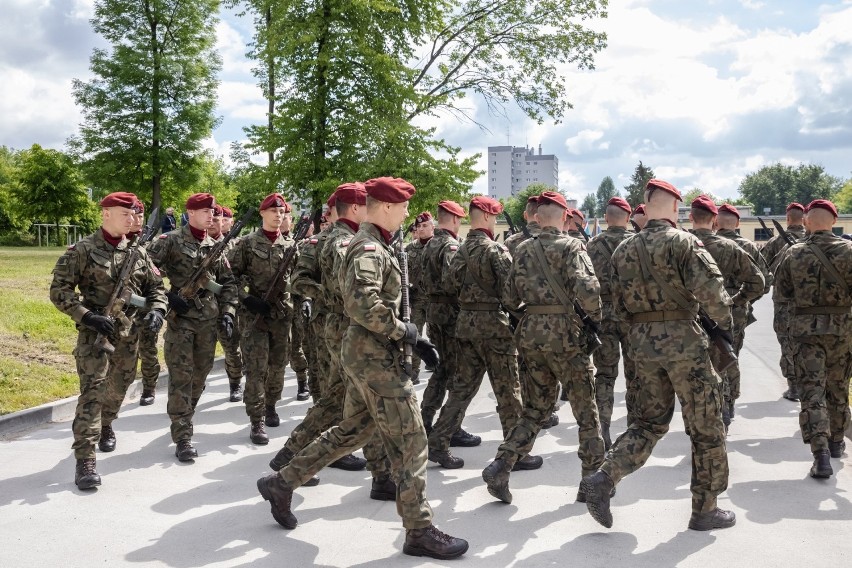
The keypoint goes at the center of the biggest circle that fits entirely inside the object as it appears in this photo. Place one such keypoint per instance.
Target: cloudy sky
(703, 91)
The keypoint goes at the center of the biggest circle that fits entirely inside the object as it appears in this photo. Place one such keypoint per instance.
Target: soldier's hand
(410, 336)
(257, 306)
(101, 324)
(427, 352)
(228, 325)
(177, 303)
(307, 309)
(154, 321)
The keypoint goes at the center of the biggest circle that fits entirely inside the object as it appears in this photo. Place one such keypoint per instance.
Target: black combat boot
(383, 489)
(462, 439)
(550, 421)
(302, 392)
(107, 441)
(581, 495)
(184, 451)
(564, 396)
(822, 465)
(236, 393)
(792, 392)
(597, 488)
(147, 398)
(527, 463)
(433, 543)
(258, 433)
(272, 420)
(273, 489)
(605, 435)
(715, 519)
(836, 449)
(281, 459)
(496, 477)
(446, 459)
(85, 476)
(349, 463)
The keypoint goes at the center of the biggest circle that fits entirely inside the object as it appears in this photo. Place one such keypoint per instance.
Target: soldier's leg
(811, 374)
(178, 353)
(92, 368)
(418, 317)
(470, 371)
(298, 357)
(740, 317)
(310, 341)
(233, 355)
(204, 353)
(501, 361)
(436, 389)
(837, 388)
(629, 369)
(606, 364)
(150, 361)
(256, 349)
(581, 397)
(121, 374)
(279, 355)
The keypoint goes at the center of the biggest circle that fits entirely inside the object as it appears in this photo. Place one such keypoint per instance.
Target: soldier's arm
(153, 288)
(509, 295)
(768, 278)
(361, 280)
(239, 267)
(229, 297)
(302, 281)
(66, 275)
(452, 270)
(158, 251)
(702, 277)
(784, 290)
(750, 277)
(587, 288)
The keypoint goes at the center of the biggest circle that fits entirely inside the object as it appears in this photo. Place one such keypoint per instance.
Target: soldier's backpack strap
(669, 290)
(560, 292)
(471, 278)
(832, 272)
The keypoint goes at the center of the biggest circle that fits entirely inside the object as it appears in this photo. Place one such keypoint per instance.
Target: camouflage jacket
(514, 240)
(574, 233)
(754, 252)
(437, 254)
(527, 284)
(177, 254)
(330, 260)
(254, 262)
(600, 250)
(91, 266)
(681, 260)
(414, 249)
(370, 280)
(476, 275)
(743, 279)
(306, 280)
(809, 288)
(773, 248)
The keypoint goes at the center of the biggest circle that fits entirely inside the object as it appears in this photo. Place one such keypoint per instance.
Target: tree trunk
(270, 75)
(156, 166)
(321, 107)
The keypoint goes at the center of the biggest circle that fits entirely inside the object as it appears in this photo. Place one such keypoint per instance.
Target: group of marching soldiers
(550, 310)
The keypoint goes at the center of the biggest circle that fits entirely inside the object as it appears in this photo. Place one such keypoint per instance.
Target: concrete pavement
(154, 511)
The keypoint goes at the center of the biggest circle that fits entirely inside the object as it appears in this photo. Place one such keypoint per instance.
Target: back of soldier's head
(615, 215)
(701, 216)
(550, 215)
(727, 221)
(795, 216)
(819, 220)
(660, 204)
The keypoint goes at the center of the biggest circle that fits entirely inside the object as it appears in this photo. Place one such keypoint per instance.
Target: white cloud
(586, 140)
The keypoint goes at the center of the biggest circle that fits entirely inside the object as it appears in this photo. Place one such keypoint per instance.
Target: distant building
(511, 169)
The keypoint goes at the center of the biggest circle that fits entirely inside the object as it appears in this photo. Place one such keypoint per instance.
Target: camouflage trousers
(92, 369)
(731, 378)
(418, 317)
(318, 368)
(379, 399)
(441, 379)
(541, 385)
(149, 357)
(265, 354)
(298, 356)
(190, 346)
(121, 374)
(474, 359)
(698, 388)
(823, 366)
(613, 337)
(231, 347)
(780, 324)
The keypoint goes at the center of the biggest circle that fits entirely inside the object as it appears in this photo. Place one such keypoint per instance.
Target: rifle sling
(832, 272)
(557, 288)
(668, 290)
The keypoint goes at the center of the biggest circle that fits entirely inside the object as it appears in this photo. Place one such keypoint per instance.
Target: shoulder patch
(369, 247)
(155, 270)
(699, 242)
(314, 241)
(72, 247)
(164, 236)
(454, 248)
(344, 244)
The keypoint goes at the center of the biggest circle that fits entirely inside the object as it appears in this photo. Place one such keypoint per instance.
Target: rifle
(765, 228)
(636, 226)
(274, 295)
(405, 305)
(787, 236)
(200, 278)
(122, 295)
(724, 349)
(512, 228)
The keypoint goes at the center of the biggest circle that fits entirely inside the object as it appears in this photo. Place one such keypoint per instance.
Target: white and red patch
(155, 270)
(314, 241)
(699, 243)
(370, 247)
(344, 244)
(164, 236)
(454, 248)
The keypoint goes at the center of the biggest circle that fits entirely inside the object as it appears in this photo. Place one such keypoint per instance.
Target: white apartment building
(511, 169)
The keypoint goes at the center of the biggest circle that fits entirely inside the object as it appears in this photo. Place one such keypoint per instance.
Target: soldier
(484, 341)
(614, 331)
(302, 353)
(575, 224)
(639, 216)
(548, 337)
(149, 356)
(379, 398)
(772, 252)
(83, 281)
(533, 228)
(190, 338)
(743, 280)
(660, 279)
(814, 278)
(441, 315)
(423, 231)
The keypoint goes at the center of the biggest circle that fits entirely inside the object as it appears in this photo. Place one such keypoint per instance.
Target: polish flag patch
(314, 241)
(164, 236)
(454, 248)
(344, 244)
(370, 247)
(155, 270)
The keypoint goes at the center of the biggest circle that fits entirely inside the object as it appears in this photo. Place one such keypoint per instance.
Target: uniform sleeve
(158, 251)
(784, 289)
(702, 277)
(509, 295)
(361, 280)
(155, 292)
(229, 297)
(303, 281)
(453, 270)
(66, 276)
(750, 277)
(587, 289)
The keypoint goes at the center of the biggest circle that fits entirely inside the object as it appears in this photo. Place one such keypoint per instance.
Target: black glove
(307, 309)
(410, 336)
(178, 304)
(154, 321)
(257, 306)
(228, 325)
(427, 352)
(725, 334)
(101, 324)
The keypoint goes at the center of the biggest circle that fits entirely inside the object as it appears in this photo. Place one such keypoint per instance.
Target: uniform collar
(352, 225)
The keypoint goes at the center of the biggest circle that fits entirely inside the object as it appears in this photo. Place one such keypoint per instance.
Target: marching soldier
(660, 279)
(149, 356)
(83, 281)
(423, 231)
(378, 396)
(639, 216)
(575, 223)
(302, 352)
(814, 278)
(190, 338)
(533, 228)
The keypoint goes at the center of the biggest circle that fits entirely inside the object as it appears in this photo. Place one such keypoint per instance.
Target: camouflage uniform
(820, 326)
(254, 262)
(417, 298)
(148, 355)
(670, 351)
(614, 331)
(122, 371)
(441, 315)
(91, 266)
(379, 397)
(190, 339)
(231, 346)
(549, 337)
(513, 241)
(483, 336)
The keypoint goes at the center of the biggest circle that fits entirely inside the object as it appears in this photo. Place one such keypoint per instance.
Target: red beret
(389, 189)
(423, 217)
(640, 209)
(353, 193)
(730, 209)
(621, 203)
(577, 213)
(487, 204)
(332, 200)
(665, 186)
(200, 201)
(795, 205)
(553, 198)
(823, 204)
(452, 207)
(218, 211)
(227, 212)
(138, 207)
(119, 199)
(534, 198)
(704, 202)
(274, 200)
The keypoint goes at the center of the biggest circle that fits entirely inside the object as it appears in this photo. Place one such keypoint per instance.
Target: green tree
(843, 199)
(516, 204)
(151, 100)
(9, 220)
(777, 185)
(606, 191)
(635, 190)
(590, 206)
(690, 196)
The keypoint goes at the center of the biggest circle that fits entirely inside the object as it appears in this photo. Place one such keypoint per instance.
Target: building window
(535, 163)
(493, 153)
(495, 162)
(837, 231)
(761, 234)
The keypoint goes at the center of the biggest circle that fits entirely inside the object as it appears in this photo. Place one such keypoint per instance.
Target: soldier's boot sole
(597, 499)
(496, 479)
(288, 521)
(581, 497)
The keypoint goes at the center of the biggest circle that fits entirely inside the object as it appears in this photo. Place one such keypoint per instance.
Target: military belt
(547, 309)
(480, 307)
(822, 310)
(438, 299)
(664, 315)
